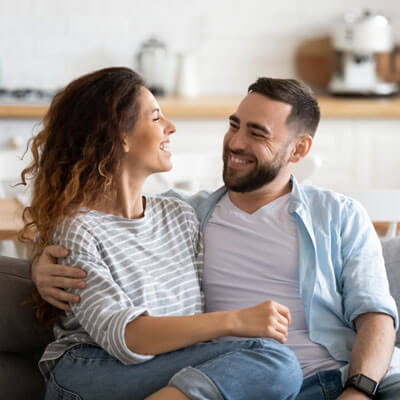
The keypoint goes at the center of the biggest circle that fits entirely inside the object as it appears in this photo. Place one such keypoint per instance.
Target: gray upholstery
(21, 344)
(391, 254)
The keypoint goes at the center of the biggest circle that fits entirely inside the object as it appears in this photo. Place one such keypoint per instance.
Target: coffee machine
(358, 39)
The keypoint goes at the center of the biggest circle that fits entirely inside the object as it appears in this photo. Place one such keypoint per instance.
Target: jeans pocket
(88, 352)
(55, 392)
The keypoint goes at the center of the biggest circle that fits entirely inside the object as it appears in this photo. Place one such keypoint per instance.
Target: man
(267, 237)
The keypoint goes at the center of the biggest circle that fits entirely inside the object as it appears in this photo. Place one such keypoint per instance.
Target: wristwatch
(363, 384)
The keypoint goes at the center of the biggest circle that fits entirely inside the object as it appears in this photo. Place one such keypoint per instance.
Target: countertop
(217, 107)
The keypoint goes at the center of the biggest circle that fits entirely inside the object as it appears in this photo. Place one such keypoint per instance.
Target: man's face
(256, 144)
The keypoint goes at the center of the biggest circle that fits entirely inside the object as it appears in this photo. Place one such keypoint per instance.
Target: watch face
(367, 384)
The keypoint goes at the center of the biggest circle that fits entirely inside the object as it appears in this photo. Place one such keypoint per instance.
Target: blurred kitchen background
(200, 57)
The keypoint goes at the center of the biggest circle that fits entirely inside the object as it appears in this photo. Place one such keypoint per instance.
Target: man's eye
(258, 135)
(233, 126)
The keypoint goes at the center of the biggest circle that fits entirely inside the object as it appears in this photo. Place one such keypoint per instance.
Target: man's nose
(237, 140)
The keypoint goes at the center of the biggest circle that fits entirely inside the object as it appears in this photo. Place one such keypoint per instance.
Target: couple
(136, 325)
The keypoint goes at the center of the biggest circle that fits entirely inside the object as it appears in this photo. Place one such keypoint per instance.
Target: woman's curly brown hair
(77, 154)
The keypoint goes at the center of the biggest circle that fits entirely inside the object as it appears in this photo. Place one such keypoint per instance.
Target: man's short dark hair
(305, 114)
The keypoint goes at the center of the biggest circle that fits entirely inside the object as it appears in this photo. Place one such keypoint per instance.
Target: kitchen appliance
(151, 60)
(358, 40)
(186, 81)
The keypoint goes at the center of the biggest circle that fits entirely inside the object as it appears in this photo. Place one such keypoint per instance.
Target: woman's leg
(168, 393)
(88, 372)
(264, 370)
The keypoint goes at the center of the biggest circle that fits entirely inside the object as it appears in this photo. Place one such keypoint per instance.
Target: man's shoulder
(327, 197)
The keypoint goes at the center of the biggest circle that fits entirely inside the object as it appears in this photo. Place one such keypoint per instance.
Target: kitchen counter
(218, 107)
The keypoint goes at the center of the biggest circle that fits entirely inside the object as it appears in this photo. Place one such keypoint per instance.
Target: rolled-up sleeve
(105, 309)
(363, 278)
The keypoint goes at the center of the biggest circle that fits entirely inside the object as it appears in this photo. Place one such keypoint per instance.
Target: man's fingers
(58, 304)
(70, 272)
(55, 251)
(62, 296)
(66, 283)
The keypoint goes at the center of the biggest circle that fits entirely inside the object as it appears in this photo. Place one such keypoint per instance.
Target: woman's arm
(156, 335)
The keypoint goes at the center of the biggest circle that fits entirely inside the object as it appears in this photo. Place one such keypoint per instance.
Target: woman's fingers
(284, 311)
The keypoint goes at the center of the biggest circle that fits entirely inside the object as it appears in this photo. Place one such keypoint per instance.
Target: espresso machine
(358, 40)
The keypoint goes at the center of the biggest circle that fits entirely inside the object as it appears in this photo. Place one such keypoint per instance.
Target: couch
(21, 343)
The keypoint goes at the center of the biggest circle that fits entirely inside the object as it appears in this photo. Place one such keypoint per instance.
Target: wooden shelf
(217, 107)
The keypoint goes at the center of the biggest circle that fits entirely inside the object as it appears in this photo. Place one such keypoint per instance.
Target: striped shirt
(147, 266)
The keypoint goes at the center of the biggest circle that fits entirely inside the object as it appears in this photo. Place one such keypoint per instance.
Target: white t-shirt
(251, 258)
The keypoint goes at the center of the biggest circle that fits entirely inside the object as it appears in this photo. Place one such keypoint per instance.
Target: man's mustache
(227, 151)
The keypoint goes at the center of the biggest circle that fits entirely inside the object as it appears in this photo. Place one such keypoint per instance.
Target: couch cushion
(20, 378)
(391, 254)
(18, 332)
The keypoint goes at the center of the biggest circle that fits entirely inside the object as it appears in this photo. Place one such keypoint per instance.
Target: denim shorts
(232, 370)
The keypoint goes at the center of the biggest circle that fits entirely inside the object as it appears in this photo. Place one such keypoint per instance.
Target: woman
(138, 331)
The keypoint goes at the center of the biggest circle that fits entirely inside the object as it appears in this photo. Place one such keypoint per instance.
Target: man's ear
(302, 146)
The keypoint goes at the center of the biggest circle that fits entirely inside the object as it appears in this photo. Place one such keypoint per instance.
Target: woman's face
(146, 145)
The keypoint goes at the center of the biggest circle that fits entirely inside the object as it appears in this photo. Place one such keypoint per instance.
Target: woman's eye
(156, 119)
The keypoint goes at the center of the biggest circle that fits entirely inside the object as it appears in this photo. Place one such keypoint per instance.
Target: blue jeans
(234, 370)
(327, 385)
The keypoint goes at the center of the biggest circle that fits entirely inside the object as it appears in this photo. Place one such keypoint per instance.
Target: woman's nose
(170, 128)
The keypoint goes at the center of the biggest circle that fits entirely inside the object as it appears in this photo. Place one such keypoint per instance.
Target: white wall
(46, 43)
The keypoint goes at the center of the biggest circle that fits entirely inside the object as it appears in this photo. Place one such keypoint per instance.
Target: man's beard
(259, 176)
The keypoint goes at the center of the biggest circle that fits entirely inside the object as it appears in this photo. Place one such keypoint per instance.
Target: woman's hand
(268, 320)
(51, 278)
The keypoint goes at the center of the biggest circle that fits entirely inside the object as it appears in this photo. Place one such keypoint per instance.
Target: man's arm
(51, 278)
(372, 350)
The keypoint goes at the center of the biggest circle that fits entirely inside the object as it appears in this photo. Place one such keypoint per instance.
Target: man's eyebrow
(259, 127)
(234, 118)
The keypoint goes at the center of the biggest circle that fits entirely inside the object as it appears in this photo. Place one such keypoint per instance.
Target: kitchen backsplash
(46, 43)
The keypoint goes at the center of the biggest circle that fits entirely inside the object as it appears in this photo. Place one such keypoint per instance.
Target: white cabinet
(358, 154)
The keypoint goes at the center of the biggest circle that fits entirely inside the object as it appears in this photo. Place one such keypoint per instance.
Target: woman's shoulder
(175, 210)
(171, 204)
(77, 228)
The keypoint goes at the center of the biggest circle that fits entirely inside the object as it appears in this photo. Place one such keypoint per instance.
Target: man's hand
(352, 394)
(51, 278)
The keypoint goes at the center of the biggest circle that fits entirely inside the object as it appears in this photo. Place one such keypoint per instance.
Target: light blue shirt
(341, 268)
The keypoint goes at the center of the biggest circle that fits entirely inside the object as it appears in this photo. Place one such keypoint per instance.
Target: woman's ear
(301, 148)
(125, 143)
